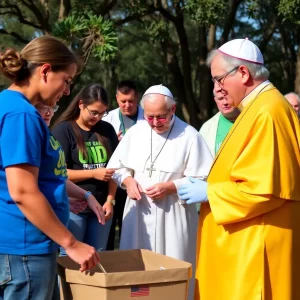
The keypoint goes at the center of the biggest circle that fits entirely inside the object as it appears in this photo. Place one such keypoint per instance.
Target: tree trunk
(297, 79)
(187, 72)
(64, 9)
(174, 69)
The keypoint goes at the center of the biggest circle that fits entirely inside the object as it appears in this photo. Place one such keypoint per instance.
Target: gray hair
(292, 94)
(257, 71)
(151, 97)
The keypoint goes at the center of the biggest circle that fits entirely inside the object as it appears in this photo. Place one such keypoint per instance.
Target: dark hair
(126, 86)
(45, 49)
(88, 95)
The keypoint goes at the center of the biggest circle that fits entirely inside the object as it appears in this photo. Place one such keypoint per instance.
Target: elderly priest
(249, 229)
(157, 156)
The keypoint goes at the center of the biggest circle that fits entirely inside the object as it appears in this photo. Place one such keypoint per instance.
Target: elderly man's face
(294, 101)
(157, 114)
(226, 83)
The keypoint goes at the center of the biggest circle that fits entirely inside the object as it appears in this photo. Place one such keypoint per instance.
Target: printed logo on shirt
(96, 156)
(61, 168)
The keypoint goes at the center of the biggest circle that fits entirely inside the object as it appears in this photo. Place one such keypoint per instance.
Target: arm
(22, 181)
(77, 192)
(229, 204)
(254, 176)
(108, 206)
(112, 188)
(99, 174)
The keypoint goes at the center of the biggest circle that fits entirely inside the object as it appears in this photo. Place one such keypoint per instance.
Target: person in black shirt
(88, 143)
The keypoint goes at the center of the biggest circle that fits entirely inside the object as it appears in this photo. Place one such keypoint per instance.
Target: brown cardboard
(131, 274)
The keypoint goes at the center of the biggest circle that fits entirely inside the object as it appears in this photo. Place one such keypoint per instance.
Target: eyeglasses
(46, 109)
(217, 79)
(159, 119)
(96, 114)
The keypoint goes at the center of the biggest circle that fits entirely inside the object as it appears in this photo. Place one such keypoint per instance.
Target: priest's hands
(103, 174)
(160, 190)
(194, 192)
(133, 189)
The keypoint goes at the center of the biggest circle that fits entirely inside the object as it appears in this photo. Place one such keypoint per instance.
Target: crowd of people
(64, 190)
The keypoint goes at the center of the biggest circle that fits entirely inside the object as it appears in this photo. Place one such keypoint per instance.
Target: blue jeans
(87, 229)
(28, 277)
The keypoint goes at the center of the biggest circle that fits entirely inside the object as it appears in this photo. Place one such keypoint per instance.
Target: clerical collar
(253, 94)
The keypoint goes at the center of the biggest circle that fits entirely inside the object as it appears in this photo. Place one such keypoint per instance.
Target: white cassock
(164, 226)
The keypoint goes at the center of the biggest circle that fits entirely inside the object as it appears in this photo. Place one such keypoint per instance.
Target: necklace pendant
(151, 169)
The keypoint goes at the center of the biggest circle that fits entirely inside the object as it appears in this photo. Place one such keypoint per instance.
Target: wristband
(112, 202)
(86, 195)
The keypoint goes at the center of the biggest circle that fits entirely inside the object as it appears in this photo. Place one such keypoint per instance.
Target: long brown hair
(45, 49)
(88, 95)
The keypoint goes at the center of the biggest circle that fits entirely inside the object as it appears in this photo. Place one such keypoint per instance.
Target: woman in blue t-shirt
(34, 207)
(88, 143)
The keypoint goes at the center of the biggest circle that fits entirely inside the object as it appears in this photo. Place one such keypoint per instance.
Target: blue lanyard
(123, 129)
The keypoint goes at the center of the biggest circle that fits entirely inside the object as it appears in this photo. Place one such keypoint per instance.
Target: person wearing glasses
(216, 128)
(155, 158)
(88, 143)
(248, 238)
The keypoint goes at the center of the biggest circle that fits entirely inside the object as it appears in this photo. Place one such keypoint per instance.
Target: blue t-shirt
(25, 139)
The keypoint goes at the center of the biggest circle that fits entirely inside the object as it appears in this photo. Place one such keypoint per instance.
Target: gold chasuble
(249, 232)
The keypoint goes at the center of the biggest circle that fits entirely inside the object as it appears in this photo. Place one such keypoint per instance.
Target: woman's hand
(108, 210)
(103, 174)
(77, 205)
(96, 208)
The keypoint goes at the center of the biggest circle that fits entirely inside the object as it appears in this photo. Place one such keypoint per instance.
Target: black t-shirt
(97, 152)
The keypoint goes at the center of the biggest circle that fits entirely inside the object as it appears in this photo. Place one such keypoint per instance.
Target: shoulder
(139, 127)
(210, 122)
(183, 126)
(104, 128)
(62, 130)
(14, 103)
(112, 114)
(273, 103)
(65, 125)
(140, 113)
(104, 125)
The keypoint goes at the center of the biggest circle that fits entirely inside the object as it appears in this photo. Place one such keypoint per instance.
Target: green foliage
(205, 12)
(90, 33)
(252, 8)
(136, 7)
(158, 30)
(289, 10)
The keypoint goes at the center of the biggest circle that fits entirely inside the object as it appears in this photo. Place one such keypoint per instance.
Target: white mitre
(159, 89)
(243, 49)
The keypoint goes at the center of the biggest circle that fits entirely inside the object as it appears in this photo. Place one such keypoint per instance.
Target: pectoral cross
(151, 169)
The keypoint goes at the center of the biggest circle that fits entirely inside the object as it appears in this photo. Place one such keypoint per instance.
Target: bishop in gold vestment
(249, 231)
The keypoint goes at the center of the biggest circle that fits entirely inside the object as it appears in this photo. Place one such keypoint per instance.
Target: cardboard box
(132, 274)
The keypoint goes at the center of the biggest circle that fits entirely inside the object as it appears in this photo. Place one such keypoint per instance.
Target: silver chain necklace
(151, 169)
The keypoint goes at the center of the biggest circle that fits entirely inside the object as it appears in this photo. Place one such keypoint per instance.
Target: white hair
(293, 95)
(152, 98)
(257, 71)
